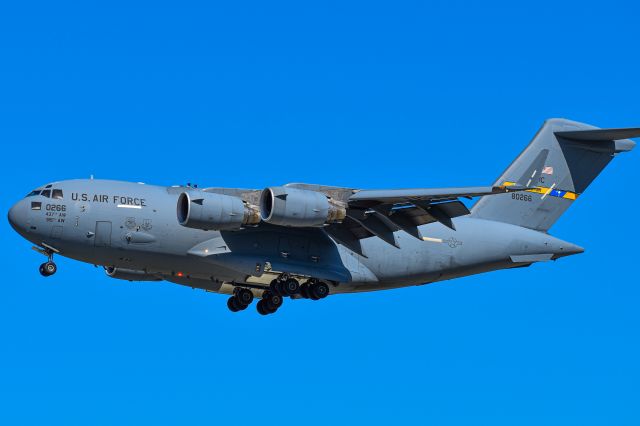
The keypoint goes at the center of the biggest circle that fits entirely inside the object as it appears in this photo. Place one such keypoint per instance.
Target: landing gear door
(103, 234)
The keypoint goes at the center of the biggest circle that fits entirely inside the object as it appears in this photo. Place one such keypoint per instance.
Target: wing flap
(349, 233)
(374, 223)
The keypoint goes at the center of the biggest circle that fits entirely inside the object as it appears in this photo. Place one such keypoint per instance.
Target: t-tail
(557, 166)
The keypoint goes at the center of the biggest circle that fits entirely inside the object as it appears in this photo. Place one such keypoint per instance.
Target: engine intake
(130, 274)
(295, 207)
(211, 211)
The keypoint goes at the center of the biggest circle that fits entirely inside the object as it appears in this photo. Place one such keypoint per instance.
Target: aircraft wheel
(272, 301)
(48, 269)
(319, 290)
(290, 286)
(233, 305)
(304, 290)
(244, 296)
(274, 286)
(262, 310)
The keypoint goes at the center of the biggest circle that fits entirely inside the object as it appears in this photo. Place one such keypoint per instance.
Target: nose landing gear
(49, 267)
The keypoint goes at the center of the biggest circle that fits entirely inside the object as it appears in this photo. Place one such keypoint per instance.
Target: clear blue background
(356, 94)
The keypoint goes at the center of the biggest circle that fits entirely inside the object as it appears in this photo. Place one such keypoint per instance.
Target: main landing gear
(269, 303)
(241, 299)
(279, 288)
(311, 289)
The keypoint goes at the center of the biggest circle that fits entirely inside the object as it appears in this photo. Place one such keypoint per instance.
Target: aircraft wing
(381, 212)
(424, 194)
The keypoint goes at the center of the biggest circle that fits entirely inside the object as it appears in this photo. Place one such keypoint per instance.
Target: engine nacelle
(286, 206)
(130, 274)
(211, 211)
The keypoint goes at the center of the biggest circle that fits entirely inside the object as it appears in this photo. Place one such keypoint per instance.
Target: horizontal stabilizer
(600, 134)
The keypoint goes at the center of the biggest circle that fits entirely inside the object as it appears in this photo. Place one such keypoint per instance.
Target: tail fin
(560, 162)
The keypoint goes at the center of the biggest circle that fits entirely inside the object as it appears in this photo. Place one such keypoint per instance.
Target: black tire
(50, 268)
(261, 308)
(274, 300)
(269, 307)
(42, 271)
(271, 302)
(274, 286)
(319, 291)
(290, 286)
(232, 304)
(311, 292)
(304, 290)
(244, 296)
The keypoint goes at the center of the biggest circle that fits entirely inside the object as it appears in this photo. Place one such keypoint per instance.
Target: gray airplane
(311, 241)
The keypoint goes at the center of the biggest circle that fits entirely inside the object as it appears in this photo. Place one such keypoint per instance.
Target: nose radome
(18, 216)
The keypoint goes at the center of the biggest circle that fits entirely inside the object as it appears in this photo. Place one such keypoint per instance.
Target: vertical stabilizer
(558, 165)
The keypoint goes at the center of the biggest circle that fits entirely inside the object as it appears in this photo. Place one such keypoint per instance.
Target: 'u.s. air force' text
(105, 198)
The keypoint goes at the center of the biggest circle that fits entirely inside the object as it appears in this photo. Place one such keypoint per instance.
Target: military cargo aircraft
(310, 241)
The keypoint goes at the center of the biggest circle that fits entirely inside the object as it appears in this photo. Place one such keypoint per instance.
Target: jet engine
(211, 211)
(130, 274)
(295, 207)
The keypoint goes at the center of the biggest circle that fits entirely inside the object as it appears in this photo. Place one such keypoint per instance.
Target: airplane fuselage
(133, 226)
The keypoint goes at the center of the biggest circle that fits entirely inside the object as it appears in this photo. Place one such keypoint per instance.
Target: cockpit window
(47, 192)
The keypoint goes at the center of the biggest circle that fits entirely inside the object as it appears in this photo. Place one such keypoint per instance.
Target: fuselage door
(103, 234)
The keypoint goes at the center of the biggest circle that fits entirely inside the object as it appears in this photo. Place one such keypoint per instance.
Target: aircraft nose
(18, 216)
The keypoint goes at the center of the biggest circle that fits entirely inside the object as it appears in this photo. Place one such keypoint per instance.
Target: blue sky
(361, 94)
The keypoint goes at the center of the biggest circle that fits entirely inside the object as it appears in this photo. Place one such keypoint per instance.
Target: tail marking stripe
(569, 195)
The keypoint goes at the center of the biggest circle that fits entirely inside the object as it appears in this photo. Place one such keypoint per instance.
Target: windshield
(56, 194)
